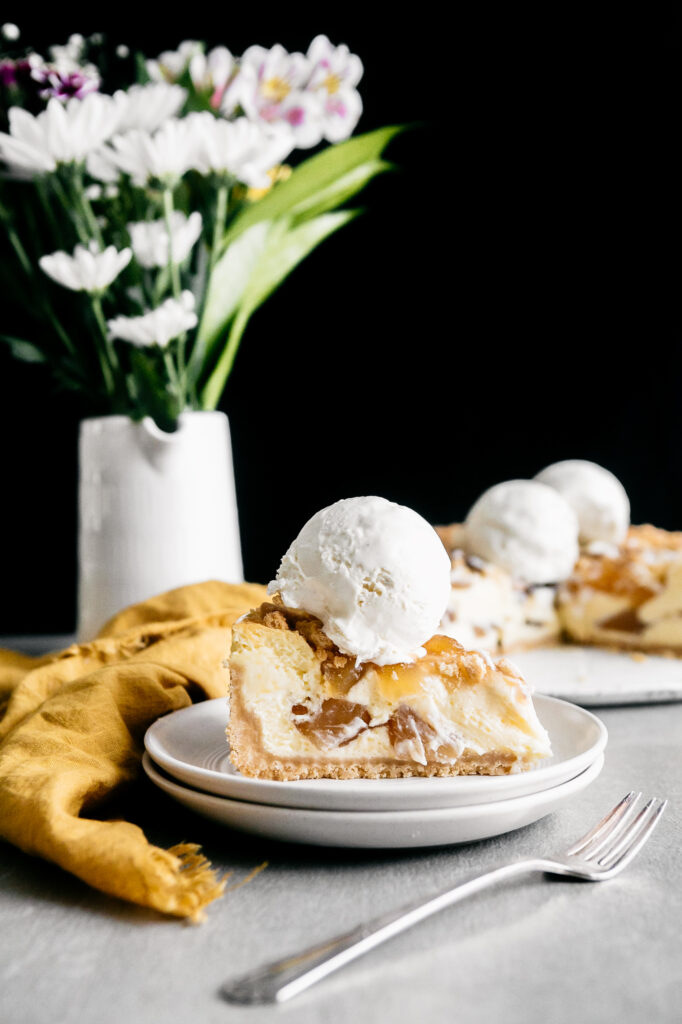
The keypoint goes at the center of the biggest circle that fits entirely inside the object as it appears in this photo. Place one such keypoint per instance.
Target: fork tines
(618, 836)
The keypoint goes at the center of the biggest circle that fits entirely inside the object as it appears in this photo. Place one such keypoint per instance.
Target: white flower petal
(148, 106)
(25, 127)
(150, 239)
(170, 64)
(335, 61)
(20, 156)
(62, 133)
(303, 113)
(101, 167)
(221, 66)
(341, 114)
(243, 149)
(86, 270)
(166, 154)
(159, 326)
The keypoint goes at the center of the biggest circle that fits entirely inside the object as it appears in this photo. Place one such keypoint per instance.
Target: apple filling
(336, 721)
(630, 596)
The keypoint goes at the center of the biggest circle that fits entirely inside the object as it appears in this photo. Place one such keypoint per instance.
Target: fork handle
(278, 981)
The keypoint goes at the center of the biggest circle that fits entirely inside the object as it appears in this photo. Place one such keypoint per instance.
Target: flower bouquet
(143, 225)
(149, 208)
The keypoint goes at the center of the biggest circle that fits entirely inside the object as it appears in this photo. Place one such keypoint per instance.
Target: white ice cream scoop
(525, 527)
(374, 572)
(596, 496)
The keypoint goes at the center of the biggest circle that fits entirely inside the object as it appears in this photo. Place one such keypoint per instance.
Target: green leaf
(315, 175)
(26, 351)
(339, 191)
(285, 249)
(246, 245)
(230, 277)
(228, 280)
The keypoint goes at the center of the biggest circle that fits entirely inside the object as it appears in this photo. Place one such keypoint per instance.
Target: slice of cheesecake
(488, 608)
(627, 596)
(300, 709)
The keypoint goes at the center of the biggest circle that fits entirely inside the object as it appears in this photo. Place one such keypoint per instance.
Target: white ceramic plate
(376, 829)
(191, 746)
(594, 678)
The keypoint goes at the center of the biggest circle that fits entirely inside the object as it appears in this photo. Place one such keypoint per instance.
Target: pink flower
(336, 73)
(213, 73)
(64, 85)
(271, 86)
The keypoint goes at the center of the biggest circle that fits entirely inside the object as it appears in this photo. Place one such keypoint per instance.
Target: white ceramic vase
(156, 511)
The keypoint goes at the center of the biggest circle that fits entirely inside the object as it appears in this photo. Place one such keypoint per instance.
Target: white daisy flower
(148, 106)
(336, 73)
(166, 154)
(214, 73)
(88, 270)
(101, 167)
(68, 57)
(63, 133)
(158, 327)
(170, 64)
(150, 242)
(244, 150)
(271, 87)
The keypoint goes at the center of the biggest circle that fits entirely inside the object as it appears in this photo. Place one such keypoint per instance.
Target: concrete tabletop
(533, 951)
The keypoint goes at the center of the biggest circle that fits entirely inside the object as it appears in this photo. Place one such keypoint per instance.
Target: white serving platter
(593, 677)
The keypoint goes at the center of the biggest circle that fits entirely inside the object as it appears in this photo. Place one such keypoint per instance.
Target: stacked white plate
(187, 756)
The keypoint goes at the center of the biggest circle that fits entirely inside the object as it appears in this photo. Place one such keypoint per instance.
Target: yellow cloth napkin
(71, 731)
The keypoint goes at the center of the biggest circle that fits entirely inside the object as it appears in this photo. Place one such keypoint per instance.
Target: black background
(510, 298)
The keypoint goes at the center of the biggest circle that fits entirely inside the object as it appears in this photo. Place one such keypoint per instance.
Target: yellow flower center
(332, 84)
(279, 173)
(276, 89)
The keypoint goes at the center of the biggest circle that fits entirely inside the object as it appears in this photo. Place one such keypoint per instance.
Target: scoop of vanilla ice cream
(525, 527)
(374, 572)
(596, 496)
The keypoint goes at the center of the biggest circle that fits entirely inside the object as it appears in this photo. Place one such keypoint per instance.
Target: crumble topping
(444, 654)
(638, 569)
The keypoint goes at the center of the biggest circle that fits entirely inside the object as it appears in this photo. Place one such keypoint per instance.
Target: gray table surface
(535, 950)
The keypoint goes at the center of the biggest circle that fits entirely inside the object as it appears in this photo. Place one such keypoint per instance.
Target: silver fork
(601, 853)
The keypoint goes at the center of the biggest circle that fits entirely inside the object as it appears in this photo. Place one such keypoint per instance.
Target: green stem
(173, 268)
(160, 286)
(194, 366)
(27, 266)
(213, 389)
(43, 196)
(90, 219)
(174, 271)
(172, 372)
(105, 347)
(19, 249)
(219, 224)
(182, 369)
(59, 330)
(72, 211)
